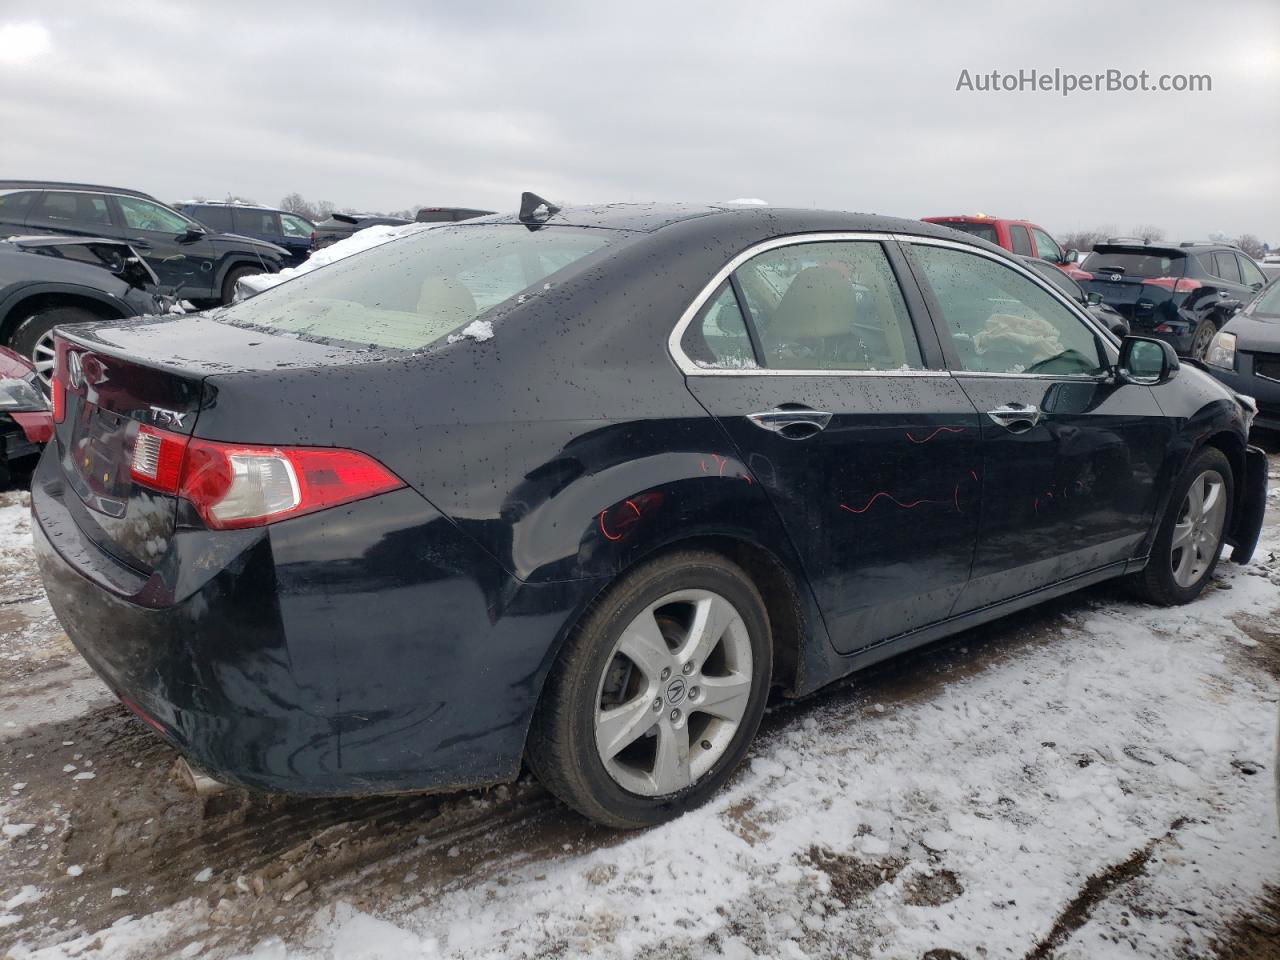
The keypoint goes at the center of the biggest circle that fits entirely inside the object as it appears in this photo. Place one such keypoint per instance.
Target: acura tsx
(579, 488)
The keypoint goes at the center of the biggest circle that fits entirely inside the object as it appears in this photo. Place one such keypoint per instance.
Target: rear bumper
(391, 656)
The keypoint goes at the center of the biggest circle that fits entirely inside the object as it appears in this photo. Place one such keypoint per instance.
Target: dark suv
(189, 260)
(284, 229)
(1182, 293)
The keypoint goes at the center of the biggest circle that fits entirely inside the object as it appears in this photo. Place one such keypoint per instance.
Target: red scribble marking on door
(632, 505)
(912, 437)
(722, 461)
(888, 496)
(973, 474)
(605, 530)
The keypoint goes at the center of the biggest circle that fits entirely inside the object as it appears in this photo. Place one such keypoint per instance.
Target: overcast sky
(846, 105)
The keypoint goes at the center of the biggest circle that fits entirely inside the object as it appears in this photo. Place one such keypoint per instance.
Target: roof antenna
(532, 207)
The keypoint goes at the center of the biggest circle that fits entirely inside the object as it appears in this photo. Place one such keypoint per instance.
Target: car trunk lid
(1135, 281)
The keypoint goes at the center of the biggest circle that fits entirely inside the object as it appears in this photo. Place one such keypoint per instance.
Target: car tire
(1201, 337)
(1189, 543)
(32, 337)
(234, 274)
(658, 613)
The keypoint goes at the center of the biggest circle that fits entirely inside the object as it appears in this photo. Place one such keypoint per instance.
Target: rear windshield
(411, 292)
(1158, 263)
(986, 231)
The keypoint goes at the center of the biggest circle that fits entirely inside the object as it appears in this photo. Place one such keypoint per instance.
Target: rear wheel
(658, 693)
(1200, 339)
(33, 337)
(1190, 538)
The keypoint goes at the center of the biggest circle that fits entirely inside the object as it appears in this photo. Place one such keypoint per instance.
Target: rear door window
(1021, 240)
(256, 223)
(1002, 322)
(1225, 267)
(829, 306)
(217, 219)
(86, 209)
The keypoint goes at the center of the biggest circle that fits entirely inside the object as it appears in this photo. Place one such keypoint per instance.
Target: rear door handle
(794, 423)
(1016, 417)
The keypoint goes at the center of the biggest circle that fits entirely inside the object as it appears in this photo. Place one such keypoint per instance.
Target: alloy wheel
(674, 692)
(1197, 532)
(1203, 337)
(43, 355)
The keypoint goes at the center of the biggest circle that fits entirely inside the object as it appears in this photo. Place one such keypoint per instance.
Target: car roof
(235, 205)
(652, 217)
(67, 185)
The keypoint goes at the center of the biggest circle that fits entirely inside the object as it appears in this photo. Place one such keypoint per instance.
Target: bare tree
(1086, 240)
(1148, 231)
(297, 203)
(1251, 245)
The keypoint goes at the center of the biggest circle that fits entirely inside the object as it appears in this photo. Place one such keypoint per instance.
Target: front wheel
(657, 695)
(1191, 535)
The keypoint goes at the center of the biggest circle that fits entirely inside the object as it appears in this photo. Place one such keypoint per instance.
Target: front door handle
(794, 423)
(1016, 417)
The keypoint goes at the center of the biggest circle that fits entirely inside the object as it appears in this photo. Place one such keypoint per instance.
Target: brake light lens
(1175, 284)
(234, 486)
(1186, 285)
(57, 399)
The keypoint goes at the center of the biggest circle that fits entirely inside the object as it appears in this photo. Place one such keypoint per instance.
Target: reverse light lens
(1222, 351)
(233, 486)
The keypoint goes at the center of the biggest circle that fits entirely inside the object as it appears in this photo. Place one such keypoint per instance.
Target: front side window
(1002, 322)
(416, 290)
(295, 226)
(718, 338)
(1046, 247)
(61, 206)
(142, 214)
(829, 306)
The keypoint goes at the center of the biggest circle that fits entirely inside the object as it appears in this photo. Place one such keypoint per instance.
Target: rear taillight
(57, 399)
(233, 486)
(1186, 285)
(1176, 284)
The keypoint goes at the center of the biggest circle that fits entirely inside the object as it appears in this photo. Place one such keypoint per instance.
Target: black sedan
(1245, 354)
(578, 488)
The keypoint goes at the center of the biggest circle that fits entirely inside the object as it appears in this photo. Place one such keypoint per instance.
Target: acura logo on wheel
(676, 690)
(75, 369)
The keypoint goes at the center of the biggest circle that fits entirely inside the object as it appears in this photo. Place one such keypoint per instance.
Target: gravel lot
(1089, 779)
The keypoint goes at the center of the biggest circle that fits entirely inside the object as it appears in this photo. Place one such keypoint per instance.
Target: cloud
(21, 43)
(384, 104)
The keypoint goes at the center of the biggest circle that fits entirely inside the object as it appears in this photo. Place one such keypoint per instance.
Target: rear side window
(1002, 322)
(414, 291)
(1147, 266)
(14, 206)
(829, 306)
(215, 218)
(718, 338)
(1021, 241)
(60, 207)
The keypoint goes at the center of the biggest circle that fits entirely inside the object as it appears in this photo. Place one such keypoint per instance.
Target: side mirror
(1146, 361)
(1073, 256)
(193, 233)
(1094, 298)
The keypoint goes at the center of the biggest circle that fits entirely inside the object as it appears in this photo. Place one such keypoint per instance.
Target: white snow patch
(204, 875)
(361, 240)
(15, 830)
(480, 330)
(747, 202)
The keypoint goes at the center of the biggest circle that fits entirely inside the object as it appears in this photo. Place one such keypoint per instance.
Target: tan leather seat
(446, 300)
(819, 303)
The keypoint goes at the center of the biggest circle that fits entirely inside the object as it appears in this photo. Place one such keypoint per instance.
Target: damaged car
(580, 489)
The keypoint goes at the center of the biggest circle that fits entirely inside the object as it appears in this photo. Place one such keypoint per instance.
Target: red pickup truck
(1017, 236)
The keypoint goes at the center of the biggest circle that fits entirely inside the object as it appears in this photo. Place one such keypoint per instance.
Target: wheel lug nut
(706, 744)
(687, 669)
(693, 693)
(675, 716)
(657, 703)
(666, 672)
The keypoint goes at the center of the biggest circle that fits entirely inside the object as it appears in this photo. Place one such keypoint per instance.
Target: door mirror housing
(1072, 256)
(193, 233)
(1094, 298)
(1146, 361)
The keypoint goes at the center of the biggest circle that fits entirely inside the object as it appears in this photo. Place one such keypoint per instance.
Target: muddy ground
(100, 831)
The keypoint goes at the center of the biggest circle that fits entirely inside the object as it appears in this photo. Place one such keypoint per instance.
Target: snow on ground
(1090, 779)
(359, 241)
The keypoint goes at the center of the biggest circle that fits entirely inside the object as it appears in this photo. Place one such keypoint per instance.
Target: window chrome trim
(689, 368)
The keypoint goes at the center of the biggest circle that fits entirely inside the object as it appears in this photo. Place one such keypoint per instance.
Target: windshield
(1146, 266)
(1058, 279)
(1268, 304)
(414, 291)
(985, 231)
